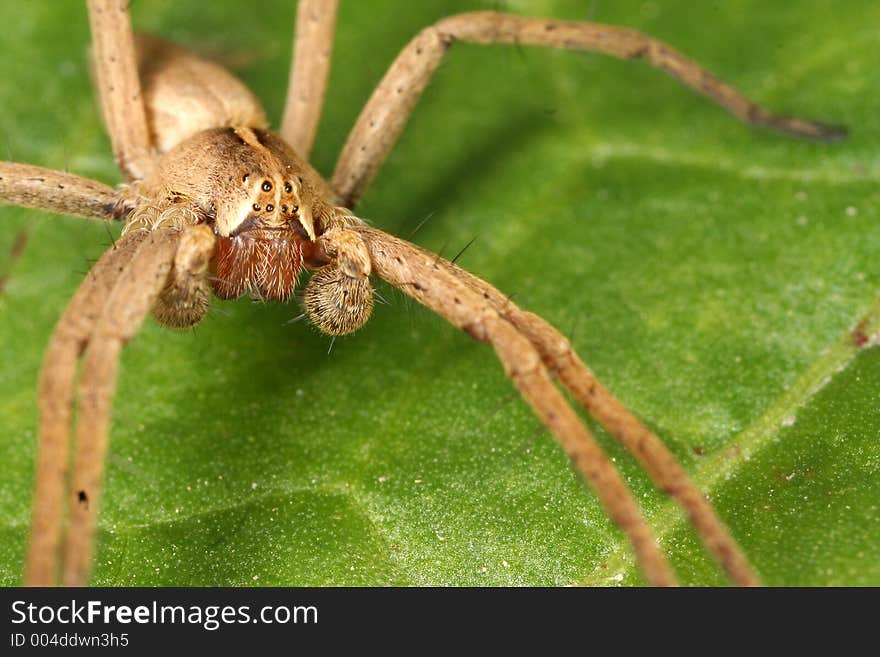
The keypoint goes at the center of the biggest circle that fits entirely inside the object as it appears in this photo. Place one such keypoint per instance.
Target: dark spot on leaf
(859, 335)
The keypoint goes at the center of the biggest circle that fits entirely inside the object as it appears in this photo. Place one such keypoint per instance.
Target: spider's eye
(288, 188)
(267, 186)
(256, 207)
(270, 207)
(245, 177)
(294, 208)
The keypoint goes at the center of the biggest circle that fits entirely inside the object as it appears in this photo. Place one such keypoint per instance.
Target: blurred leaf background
(716, 277)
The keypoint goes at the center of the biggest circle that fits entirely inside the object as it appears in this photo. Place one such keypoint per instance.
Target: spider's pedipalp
(338, 298)
(387, 111)
(183, 301)
(433, 281)
(336, 303)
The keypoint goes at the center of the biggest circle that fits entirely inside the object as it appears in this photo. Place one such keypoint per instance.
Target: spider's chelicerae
(216, 204)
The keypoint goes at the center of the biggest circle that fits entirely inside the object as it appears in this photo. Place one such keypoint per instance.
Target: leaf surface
(720, 280)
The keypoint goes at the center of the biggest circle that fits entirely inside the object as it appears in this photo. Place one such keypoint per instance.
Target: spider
(216, 204)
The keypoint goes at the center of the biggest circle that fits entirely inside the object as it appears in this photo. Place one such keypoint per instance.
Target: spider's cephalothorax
(249, 187)
(260, 202)
(217, 204)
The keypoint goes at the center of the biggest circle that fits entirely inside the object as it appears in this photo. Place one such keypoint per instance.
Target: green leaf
(711, 274)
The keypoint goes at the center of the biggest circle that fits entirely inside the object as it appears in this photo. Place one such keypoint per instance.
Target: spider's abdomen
(256, 263)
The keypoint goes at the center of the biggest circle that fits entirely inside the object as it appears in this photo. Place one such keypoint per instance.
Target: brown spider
(216, 204)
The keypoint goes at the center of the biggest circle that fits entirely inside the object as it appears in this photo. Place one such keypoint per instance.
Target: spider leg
(641, 442)
(382, 119)
(119, 87)
(313, 47)
(138, 285)
(561, 360)
(650, 451)
(56, 398)
(418, 273)
(35, 187)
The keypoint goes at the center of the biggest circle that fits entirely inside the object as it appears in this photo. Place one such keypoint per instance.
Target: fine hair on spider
(215, 204)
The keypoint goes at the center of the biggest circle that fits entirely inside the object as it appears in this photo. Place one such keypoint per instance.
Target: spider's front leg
(435, 283)
(104, 313)
(45, 189)
(338, 300)
(151, 266)
(662, 466)
(532, 352)
(167, 274)
(56, 395)
(137, 287)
